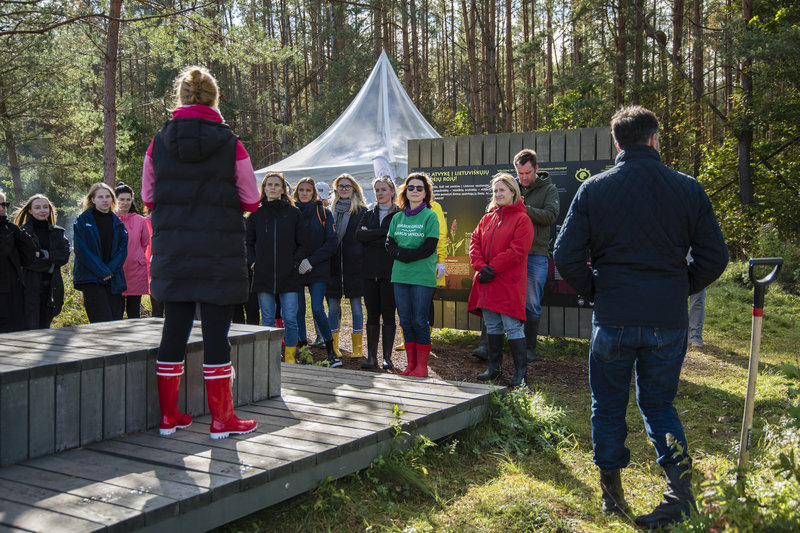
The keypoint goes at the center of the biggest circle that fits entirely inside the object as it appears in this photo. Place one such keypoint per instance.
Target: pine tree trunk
(110, 96)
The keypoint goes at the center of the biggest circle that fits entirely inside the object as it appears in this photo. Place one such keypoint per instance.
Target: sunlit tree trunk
(110, 96)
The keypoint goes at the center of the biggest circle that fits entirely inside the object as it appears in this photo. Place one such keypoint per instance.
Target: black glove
(486, 274)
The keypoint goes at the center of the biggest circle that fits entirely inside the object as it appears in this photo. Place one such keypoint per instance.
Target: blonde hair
(402, 199)
(507, 180)
(284, 192)
(310, 181)
(388, 181)
(196, 85)
(24, 212)
(87, 200)
(356, 201)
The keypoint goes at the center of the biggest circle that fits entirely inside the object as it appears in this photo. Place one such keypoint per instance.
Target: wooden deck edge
(241, 504)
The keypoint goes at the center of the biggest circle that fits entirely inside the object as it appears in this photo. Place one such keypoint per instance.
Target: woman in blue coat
(100, 241)
(315, 269)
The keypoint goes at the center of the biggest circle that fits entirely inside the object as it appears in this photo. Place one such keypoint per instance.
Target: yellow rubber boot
(288, 354)
(357, 349)
(402, 346)
(336, 345)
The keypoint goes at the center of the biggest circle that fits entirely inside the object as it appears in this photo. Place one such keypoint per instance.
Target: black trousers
(379, 301)
(247, 313)
(133, 305)
(178, 317)
(100, 303)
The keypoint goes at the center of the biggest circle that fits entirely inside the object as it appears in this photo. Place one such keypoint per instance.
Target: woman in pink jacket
(136, 265)
(498, 252)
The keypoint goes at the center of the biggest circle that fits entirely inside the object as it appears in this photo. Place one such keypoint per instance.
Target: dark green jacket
(541, 200)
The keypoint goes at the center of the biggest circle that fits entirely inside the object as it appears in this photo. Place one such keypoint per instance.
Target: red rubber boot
(421, 371)
(411, 355)
(219, 389)
(169, 383)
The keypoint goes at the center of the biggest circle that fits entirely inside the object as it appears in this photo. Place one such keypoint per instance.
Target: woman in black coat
(315, 269)
(276, 245)
(348, 207)
(44, 286)
(376, 272)
(16, 250)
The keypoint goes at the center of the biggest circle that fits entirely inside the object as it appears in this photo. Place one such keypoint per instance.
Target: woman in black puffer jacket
(276, 245)
(377, 272)
(321, 246)
(348, 208)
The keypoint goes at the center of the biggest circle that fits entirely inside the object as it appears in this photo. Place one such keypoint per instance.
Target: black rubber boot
(495, 348)
(678, 499)
(372, 347)
(482, 351)
(517, 347)
(613, 495)
(333, 361)
(388, 331)
(531, 331)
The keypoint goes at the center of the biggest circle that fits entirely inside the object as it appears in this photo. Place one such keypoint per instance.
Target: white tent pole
(387, 136)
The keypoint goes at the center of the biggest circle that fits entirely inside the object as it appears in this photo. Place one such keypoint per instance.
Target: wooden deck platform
(326, 423)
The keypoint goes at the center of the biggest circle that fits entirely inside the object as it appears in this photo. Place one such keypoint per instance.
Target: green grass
(530, 468)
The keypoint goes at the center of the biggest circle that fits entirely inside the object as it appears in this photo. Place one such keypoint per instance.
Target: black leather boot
(333, 361)
(613, 495)
(372, 347)
(517, 347)
(678, 501)
(482, 351)
(495, 350)
(531, 332)
(388, 331)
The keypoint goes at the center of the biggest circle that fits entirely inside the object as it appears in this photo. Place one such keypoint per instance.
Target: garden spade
(759, 289)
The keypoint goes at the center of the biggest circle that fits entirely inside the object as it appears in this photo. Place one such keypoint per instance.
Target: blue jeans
(497, 324)
(317, 292)
(266, 302)
(697, 314)
(413, 303)
(656, 355)
(537, 277)
(335, 312)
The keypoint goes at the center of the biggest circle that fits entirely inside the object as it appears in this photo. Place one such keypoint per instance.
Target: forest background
(84, 85)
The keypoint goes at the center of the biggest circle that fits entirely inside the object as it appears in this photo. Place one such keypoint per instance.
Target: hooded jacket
(321, 241)
(502, 241)
(541, 202)
(45, 268)
(346, 265)
(137, 275)
(276, 243)
(198, 248)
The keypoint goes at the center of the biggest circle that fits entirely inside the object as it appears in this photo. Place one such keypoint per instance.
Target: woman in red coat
(498, 252)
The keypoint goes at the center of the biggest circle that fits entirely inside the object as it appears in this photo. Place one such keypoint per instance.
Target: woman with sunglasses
(348, 208)
(44, 286)
(411, 242)
(276, 245)
(197, 179)
(16, 251)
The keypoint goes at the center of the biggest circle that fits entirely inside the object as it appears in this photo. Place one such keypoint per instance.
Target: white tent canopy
(378, 123)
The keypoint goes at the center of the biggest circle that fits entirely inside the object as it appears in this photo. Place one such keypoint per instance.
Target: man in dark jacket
(636, 222)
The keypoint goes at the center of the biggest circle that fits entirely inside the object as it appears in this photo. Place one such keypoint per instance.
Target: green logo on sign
(582, 174)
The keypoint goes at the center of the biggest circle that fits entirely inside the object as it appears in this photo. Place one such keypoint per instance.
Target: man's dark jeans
(656, 355)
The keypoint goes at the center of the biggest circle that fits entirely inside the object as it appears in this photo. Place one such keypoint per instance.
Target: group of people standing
(110, 258)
